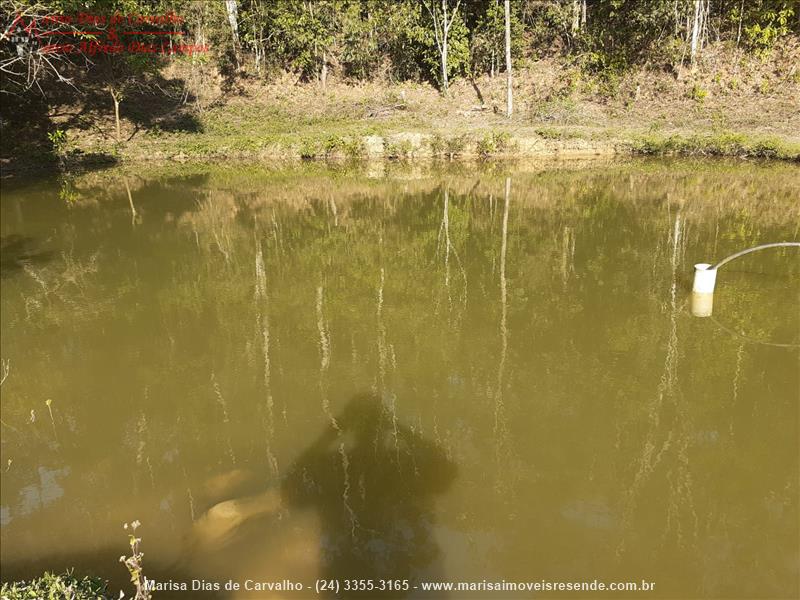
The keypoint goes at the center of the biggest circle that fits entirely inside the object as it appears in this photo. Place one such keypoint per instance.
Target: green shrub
(308, 149)
(698, 94)
(448, 147)
(719, 144)
(549, 133)
(438, 145)
(399, 151)
(58, 139)
(51, 586)
(771, 27)
(354, 148)
(494, 143)
(455, 146)
(723, 144)
(609, 84)
(333, 144)
(486, 146)
(557, 109)
(336, 146)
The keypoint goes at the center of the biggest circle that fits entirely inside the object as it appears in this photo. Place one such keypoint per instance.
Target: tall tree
(578, 16)
(443, 18)
(509, 75)
(698, 26)
(233, 19)
(125, 74)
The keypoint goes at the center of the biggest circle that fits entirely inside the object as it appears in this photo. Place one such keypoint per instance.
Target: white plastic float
(705, 279)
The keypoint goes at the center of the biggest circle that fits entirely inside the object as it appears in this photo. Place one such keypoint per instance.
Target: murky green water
(405, 374)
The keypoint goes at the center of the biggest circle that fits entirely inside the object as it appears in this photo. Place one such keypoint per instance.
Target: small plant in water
(134, 563)
(67, 191)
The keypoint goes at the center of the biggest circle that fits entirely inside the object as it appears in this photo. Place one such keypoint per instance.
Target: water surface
(404, 372)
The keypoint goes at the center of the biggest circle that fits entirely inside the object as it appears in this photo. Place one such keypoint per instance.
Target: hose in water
(749, 250)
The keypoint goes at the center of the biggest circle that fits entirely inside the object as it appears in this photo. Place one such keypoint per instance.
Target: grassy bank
(350, 141)
(733, 105)
(717, 144)
(337, 142)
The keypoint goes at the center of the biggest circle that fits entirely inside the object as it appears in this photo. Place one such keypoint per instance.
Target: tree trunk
(442, 21)
(444, 63)
(509, 75)
(576, 17)
(698, 9)
(739, 31)
(445, 32)
(233, 19)
(323, 73)
(704, 24)
(677, 18)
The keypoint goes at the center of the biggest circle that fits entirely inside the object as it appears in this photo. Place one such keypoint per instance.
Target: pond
(421, 373)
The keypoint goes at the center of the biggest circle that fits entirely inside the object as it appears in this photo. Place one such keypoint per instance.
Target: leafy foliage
(64, 586)
(769, 28)
(366, 39)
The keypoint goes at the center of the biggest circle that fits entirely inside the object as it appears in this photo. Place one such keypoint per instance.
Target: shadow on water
(16, 251)
(372, 481)
(358, 503)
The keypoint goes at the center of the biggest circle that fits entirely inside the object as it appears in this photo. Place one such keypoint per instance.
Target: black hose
(749, 250)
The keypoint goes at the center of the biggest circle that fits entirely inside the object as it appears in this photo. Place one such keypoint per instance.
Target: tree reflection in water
(372, 482)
